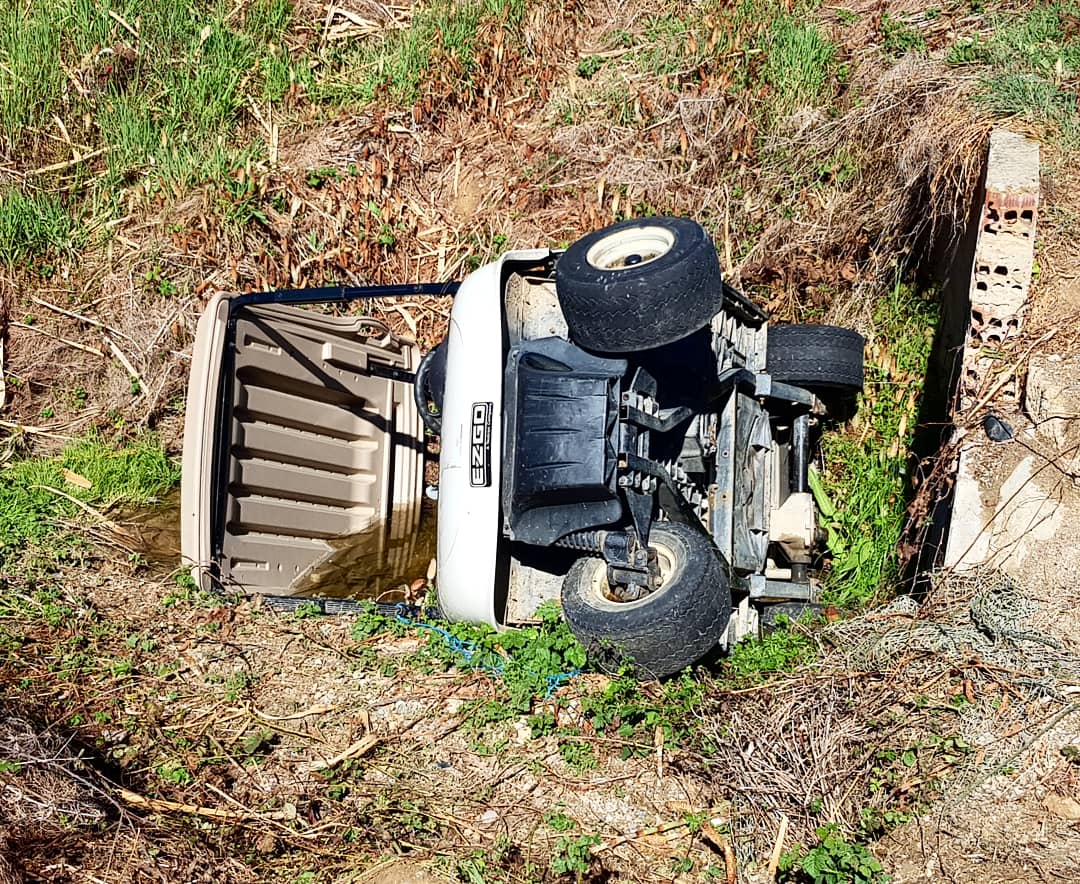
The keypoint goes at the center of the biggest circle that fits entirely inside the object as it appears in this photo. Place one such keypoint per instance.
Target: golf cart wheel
(428, 387)
(669, 629)
(639, 284)
(825, 359)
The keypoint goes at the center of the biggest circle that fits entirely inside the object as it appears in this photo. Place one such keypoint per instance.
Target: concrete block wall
(1004, 255)
(999, 285)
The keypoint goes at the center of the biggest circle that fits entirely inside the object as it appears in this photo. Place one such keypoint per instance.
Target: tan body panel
(319, 446)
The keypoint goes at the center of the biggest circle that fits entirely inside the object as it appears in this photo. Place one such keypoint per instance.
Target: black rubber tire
(428, 387)
(669, 629)
(621, 309)
(822, 358)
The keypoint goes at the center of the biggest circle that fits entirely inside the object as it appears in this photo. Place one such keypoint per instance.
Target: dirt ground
(318, 755)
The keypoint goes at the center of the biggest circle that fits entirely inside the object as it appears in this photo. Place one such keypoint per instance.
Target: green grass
(175, 123)
(1030, 97)
(799, 63)
(186, 79)
(1029, 66)
(267, 20)
(862, 496)
(394, 66)
(136, 473)
(749, 44)
(31, 80)
(34, 225)
(176, 116)
(664, 46)
(167, 119)
(35, 493)
(1039, 39)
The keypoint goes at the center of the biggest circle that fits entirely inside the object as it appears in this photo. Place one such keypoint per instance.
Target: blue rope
(554, 682)
(467, 650)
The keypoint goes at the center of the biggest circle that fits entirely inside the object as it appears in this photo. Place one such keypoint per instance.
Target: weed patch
(833, 860)
(798, 65)
(530, 662)
(573, 855)
(36, 493)
(862, 493)
(34, 225)
(899, 38)
(627, 709)
(783, 650)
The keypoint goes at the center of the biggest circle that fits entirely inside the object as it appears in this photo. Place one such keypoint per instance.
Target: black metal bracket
(760, 385)
(742, 307)
(341, 294)
(640, 505)
(661, 422)
(631, 571)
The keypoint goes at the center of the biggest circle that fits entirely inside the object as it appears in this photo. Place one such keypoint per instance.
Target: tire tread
(623, 311)
(686, 622)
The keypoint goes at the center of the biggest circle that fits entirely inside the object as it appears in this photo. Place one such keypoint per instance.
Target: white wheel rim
(665, 560)
(632, 247)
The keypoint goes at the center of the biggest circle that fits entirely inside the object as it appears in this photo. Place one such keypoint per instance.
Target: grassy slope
(150, 155)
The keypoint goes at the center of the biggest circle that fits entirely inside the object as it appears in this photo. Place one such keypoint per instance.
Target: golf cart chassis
(491, 505)
(506, 315)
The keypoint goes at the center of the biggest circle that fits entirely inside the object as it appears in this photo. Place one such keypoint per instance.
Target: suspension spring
(583, 541)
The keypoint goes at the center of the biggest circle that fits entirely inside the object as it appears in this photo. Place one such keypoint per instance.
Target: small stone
(996, 429)
(1063, 807)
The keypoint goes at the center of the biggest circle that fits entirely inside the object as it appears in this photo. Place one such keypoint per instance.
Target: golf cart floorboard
(321, 445)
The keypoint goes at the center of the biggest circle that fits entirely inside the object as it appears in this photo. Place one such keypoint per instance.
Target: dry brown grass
(459, 175)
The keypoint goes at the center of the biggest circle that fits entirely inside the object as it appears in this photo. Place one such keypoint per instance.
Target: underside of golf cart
(619, 430)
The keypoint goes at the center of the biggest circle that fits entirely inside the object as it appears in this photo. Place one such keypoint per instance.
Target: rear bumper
(470, 546)
(200, 423)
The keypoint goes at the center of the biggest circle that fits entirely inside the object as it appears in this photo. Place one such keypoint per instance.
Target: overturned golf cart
(619, 429)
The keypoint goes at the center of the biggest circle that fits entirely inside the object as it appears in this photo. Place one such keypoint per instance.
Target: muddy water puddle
(153, 531)
(371, 564)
